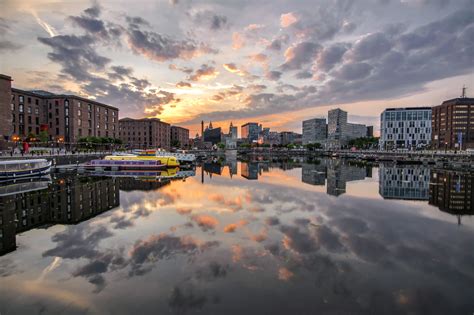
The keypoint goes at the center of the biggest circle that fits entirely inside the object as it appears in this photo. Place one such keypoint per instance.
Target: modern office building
(66, 118)
(453, 124)
(408, 182)
(406, 128)
(180, 136)
(370, 131)
(314, 131)
(314, 173)
(250, 131)
(340, 131)
(145, 133)
(290, 137)
(339, 172)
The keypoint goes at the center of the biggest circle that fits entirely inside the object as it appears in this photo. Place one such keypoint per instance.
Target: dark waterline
(291, 237)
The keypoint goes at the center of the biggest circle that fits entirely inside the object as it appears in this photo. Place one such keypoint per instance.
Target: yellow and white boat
(169, 161)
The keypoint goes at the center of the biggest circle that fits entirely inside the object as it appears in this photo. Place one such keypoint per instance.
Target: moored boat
(24, 185)
(23, 168)
(181, 156)
(168, 161)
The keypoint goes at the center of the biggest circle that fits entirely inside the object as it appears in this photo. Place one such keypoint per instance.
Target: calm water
(324, 237)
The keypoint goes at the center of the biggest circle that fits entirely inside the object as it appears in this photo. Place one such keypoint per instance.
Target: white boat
(23, 168)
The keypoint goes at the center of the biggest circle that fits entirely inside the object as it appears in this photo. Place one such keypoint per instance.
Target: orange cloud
(206, 222)
(230, 228)
(285, 274)
(184, 211)
(287, 19)
(237, 41)
(260, 237)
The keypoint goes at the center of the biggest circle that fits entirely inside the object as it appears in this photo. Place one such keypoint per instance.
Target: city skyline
(185, 62)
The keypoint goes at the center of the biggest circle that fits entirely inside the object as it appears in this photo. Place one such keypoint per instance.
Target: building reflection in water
(452, 192)
(337, 172)
(64, 200)
(410, 182)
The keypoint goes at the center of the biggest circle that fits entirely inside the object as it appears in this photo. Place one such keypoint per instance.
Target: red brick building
(64, 117)
(144, 133)
(453, 124)
(180, 135)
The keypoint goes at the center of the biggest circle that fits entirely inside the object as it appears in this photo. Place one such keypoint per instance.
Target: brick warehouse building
(66, 117)
(144, 133)
(453, 124)
(180, 135)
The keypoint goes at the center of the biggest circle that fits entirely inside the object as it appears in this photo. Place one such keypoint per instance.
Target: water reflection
(280, 237)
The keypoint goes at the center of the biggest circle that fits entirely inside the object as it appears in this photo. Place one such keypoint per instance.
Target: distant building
(273, 138)
(250, 131)
(340, 131)
(145, 133)
(212, 135)
(405, 128)
(370, 131)
(66, 118)
(179, 135)
(404, 182)
(354, 131)
(339, 173)
(314, 131)
(453, 124)
(290, 137)
(233, 131)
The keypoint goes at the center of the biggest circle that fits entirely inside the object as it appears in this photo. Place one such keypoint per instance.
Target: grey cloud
(304, 75)
(331, 56)
(277, 43)
(163, 246)
(183, 84)
(160, 47)
(182, 302)
(371, 46)
(354, 71)
(6, 45)
(273, 75)
(203, 72)
(210, 19)
(300, 54)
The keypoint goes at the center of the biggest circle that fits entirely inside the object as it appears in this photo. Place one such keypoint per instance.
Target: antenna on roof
(464, 88)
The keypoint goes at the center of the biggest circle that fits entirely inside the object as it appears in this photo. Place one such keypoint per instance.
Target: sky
(273, 62)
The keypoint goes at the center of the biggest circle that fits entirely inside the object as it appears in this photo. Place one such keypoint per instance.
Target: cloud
(210, 19)
(163, 246)
(371, 46)
(182, 84)
(288, 19)
(331, 56)
(205, 222)
(204, 73)
(300, 54)
(237, 41)
(232, 67)
(48, 28)
(159, 47)
(273, 75)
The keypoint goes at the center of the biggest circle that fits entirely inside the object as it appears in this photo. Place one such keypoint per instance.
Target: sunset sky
(274, 62)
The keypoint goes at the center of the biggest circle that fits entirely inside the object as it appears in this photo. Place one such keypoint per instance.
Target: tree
(43, 136)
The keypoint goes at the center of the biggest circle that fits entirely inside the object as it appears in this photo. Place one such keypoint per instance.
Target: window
(57, 131)
(79, 113)
(56, 103)
(79, 104)
(89, 107)
(20, 108)
(29, 100)
(37, 110)
(12, 106)
(36, 101)
(67, 111)
(20, 99)
(37, 120)
(29, 109)
(79, 122)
